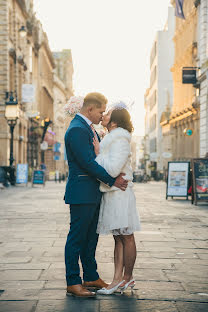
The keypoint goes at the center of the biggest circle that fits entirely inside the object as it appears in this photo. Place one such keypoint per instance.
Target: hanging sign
(178, 178)
(200, 179)
(22, 174)
(189, 75)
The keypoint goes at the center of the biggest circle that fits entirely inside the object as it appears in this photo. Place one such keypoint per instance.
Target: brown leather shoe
(79, 291)
(98, 284)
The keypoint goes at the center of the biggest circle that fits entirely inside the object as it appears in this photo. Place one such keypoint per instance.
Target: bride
(118, 213)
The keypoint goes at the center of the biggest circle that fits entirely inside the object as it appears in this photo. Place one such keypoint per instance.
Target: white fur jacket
(115, 156)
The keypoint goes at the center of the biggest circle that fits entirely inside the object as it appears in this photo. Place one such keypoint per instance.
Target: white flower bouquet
(74, 105)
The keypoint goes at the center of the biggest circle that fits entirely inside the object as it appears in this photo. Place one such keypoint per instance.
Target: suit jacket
(84, 172)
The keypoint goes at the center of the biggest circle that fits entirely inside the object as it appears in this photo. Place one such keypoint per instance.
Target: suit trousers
(81, 243)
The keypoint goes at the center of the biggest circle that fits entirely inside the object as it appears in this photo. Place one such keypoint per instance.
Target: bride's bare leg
(118, 262)
(129, 248)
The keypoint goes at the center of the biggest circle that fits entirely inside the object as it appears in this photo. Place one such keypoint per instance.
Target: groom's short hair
(94, 98)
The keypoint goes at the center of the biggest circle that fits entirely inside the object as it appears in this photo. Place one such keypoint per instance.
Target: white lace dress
(118, 212)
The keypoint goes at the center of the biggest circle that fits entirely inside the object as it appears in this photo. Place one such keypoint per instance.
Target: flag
(179, 9)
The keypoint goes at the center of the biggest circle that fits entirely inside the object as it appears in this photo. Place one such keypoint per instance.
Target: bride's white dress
(118, 212)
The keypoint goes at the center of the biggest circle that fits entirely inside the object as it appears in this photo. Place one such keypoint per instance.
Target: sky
(110, 41)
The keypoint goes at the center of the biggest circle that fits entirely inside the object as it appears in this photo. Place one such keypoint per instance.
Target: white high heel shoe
(105, 291)
(130, 284)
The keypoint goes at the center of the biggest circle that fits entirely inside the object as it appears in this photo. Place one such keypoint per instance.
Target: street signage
(178, 179)
(22, 174)
(189, 75)
(200, 179)
(38, 177)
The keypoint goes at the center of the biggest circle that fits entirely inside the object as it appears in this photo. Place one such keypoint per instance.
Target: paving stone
(19, 275)
(15, 260)
(56, 284)
(17, 306)
(25, 266)
(170, 295)
(22, 285)
(70, 304)
(20, 294)
(146, 274)
(53, 274)
(192, 307)
(129, 305)
(159, 285)
(195, 287)
(171, 265)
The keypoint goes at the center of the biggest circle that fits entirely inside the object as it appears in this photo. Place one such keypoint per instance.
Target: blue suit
(83, 195)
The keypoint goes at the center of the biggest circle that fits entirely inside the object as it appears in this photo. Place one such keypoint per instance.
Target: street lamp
(11, 115)
(22, 31)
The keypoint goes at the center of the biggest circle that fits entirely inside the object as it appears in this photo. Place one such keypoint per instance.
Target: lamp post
(22, 31)
(44, 124)
(11, 115)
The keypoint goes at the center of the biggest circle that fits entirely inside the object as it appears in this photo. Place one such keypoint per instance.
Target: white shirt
(89, 122)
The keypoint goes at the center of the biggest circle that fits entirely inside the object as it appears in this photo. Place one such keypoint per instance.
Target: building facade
(63, 90)
(203, 75)
(14, 71)
(159, 93)
(184, 115)
(64, 69)
(28, 61)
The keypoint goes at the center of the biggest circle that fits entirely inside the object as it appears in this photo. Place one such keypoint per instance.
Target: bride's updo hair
(122, 118)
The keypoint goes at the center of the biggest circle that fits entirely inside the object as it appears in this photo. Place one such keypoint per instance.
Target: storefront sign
(22, 174)
(38, 177)
(177, 184)
(189, 75)
(200, 179)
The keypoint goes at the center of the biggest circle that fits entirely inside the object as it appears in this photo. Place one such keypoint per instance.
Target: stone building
(28, 61)
(160, 89)
(61, 123)
(14, 71)
(63, 90)
(203, 74)
(184, 114)
(64, 69)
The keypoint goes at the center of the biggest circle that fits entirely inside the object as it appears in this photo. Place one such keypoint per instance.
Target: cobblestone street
(171, 269)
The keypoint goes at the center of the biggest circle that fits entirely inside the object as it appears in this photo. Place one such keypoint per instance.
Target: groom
(84, 196)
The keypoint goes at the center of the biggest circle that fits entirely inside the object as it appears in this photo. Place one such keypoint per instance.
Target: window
(153, 53)
(153, 76)
(153, 147)
(153, 123)
(153, 99)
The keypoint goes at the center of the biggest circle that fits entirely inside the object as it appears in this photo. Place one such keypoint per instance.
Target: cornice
(48, 50)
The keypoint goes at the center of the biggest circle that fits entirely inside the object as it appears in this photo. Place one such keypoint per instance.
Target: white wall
(203, 59)
(164, 82)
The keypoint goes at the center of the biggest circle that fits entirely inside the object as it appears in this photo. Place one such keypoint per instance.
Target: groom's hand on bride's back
(121, 182)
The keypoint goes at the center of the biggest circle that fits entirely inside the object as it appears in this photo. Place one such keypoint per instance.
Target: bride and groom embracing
(99, 192)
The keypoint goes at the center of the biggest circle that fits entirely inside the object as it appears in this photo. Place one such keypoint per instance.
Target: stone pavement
(170, 271)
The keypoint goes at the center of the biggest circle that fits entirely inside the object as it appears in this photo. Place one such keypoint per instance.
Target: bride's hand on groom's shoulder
(96, 145)
(120, 182)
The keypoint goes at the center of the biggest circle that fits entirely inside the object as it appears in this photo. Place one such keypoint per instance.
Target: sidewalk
(171, 270)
